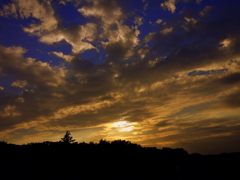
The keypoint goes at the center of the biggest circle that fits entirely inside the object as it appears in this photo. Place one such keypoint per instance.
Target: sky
(159, 73)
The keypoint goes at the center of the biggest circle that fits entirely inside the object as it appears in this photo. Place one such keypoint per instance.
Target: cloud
(206, 10)
(120, 38)
(28, 70)
(166, 31)
(68, 58)
(107, 11)
(19, 83)
(38, 79)
(231, 100)
(10, 111)
(108, 28)
(78, 36)
(41, 11)
(48, 29)
(159, 21)
(9, 10)
(169, 5)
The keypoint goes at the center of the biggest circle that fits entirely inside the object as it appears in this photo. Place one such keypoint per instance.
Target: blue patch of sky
(195, 7)
(155, 12)
(4, 2)
(6, 81)
(68, 14)
(12, 34)
(200, 73)
(94, 56)
(145, 29)
(150, 16)
(220, 45)
(150, 44)
(90, 54)
(165, 54)
(188, 41)
(42, 52)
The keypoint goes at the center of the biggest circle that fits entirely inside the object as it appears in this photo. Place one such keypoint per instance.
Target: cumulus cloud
(108, 29)
(78, 36)
(169, 5)
(120, 38)
(41, 11)
(107, 11)
(28, 70)
(19, 83)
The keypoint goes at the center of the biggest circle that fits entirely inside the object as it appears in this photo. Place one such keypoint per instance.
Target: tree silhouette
(67, 138)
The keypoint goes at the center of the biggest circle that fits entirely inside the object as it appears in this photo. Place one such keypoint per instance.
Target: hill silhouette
(118, 159)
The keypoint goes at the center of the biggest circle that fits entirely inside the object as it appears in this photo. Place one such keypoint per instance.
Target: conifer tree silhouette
(67, 138)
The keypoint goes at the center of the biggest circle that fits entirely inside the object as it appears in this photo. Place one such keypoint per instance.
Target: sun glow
(123, 125)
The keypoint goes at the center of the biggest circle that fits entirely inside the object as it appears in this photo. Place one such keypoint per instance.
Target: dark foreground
(112, 160)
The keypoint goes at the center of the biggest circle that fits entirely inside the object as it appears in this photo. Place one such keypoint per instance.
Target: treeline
(118, 159)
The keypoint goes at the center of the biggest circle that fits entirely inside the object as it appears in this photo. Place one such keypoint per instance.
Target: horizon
(159, 74)
(112, 142)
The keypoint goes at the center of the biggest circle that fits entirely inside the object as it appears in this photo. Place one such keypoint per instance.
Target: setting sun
(123, 125)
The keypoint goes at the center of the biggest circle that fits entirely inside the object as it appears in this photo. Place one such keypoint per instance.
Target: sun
(123, 125)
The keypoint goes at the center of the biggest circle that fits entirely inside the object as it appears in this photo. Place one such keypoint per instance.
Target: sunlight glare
(127, 129)
(123, 125)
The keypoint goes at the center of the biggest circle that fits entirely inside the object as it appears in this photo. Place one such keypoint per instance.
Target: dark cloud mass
(159, 73)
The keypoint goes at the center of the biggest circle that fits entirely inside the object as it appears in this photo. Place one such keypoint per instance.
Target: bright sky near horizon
(163, 73)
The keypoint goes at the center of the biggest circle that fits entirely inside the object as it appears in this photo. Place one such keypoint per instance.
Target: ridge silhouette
(118, 159)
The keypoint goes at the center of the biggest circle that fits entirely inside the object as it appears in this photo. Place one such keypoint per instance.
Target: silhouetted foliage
(3, 142)
(118, 159)
(67, 138)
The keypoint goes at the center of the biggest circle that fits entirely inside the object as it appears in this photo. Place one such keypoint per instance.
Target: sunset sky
(163, 73)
